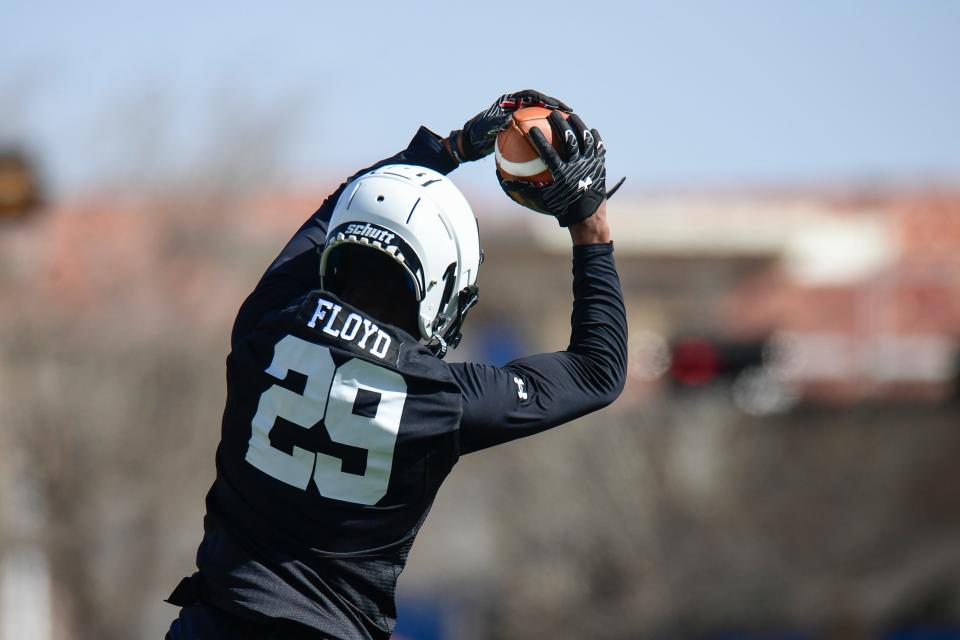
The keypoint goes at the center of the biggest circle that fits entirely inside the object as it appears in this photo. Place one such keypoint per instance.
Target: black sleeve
(542, 391)
(297, 269)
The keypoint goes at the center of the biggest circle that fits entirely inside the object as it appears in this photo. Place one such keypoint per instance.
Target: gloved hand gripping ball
(578, 184)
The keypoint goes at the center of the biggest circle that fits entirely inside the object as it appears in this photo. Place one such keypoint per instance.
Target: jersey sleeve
(297, 269)
(535, 393)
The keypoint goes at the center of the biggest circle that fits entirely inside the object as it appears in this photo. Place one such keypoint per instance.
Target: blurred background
(783, 463)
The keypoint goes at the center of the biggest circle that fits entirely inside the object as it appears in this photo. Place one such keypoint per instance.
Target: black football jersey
(338, 430)
(337, 434)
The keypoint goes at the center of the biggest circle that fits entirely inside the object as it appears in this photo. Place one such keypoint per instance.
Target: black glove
(579, 178)
(480, 132)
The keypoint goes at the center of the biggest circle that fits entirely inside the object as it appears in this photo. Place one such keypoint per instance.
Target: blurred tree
(112, 393)
(692, 517)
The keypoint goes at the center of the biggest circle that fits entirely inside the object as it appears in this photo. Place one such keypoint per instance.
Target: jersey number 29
(331, 395)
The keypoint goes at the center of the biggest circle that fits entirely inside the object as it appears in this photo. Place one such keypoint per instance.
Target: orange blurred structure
(20, 192)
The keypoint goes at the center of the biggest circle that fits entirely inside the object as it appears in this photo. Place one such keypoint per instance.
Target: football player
(341, 417)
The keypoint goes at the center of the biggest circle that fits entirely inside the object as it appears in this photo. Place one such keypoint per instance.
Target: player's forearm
(541, 391)
(598, 323)
(538, 392)
(425, 149)
(296, 269)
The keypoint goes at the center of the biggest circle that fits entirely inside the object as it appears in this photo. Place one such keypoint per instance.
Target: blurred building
(850, 298)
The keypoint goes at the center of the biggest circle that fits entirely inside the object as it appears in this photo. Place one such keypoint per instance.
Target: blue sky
(686, 94)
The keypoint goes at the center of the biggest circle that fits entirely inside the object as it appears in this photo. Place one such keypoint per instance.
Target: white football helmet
(420, 219)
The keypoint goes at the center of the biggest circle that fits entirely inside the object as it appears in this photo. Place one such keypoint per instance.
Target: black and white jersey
(338, 431)
(336, 436)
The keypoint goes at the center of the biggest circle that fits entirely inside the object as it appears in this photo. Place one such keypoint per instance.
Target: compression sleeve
(538, 392)
(297, 269)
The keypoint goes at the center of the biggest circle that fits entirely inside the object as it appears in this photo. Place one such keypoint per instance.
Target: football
(515, 155)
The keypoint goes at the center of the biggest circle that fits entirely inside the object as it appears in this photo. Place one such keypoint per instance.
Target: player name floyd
(358, 331)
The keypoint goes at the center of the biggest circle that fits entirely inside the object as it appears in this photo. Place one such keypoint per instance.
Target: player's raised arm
(474, 141)
(537, 392)
(296, 268)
